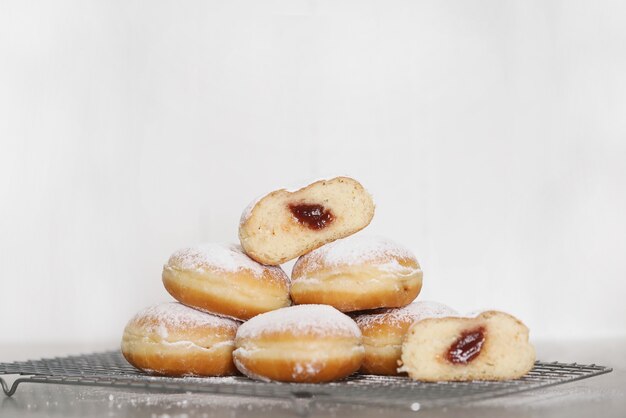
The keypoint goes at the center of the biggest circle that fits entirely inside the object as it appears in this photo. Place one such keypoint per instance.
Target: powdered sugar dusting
(413, 312)
(305, 369)
(193, 346)
(355, 249)
(318, 319)
(174, 315)
(243, 369)
(225, 257)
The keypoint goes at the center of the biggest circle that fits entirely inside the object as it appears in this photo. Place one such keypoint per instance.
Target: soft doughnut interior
(492, 346)
(284, 225)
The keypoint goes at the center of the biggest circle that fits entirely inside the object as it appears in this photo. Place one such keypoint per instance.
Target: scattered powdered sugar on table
(318, 319)
(132, 403)
(355, 249)
(178, 316)
(413, 312)
(225, 257)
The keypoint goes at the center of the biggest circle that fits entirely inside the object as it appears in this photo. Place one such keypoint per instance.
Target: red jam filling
(467, 347)
(313, 216)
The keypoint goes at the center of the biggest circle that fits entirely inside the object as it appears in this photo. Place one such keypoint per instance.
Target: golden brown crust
(382, 361)
(239, 294)
(349, 301)
(187, 364)
(383, 346)
(286, 370)
(299, 357)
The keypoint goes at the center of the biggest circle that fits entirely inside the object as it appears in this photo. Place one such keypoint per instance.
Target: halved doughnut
(491, 346)
(284, 225)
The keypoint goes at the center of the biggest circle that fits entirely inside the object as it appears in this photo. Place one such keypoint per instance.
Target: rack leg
(9, 391)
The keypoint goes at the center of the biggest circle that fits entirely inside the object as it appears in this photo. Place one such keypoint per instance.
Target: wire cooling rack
(110, 369)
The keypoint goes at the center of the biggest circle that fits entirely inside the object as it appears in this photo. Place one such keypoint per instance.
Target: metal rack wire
(110, 369)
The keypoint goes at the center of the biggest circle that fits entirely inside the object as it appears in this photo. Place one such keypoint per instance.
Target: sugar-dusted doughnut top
(176, 316)
(226, 258)
(356, 250)
(413, 312)
(321, 320)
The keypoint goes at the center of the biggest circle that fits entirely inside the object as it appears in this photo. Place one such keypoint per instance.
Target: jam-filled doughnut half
(221, 279)
(357, 273)
(171, 339)
(491, 346)
(384, 330)
(307, 343)
(284, 225)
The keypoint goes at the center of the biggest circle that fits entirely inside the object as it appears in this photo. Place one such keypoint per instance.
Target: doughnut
(490, 346)
(357, 273)
(283, 224)
(221, 279)
(171, 339)
(307, 343)
(384, 329)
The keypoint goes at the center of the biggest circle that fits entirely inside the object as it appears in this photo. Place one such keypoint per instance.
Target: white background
(492, 135)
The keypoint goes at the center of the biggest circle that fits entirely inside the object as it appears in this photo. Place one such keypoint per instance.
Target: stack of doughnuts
(348, 307)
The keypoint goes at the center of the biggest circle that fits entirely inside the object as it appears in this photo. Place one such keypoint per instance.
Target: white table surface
(602, 396)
